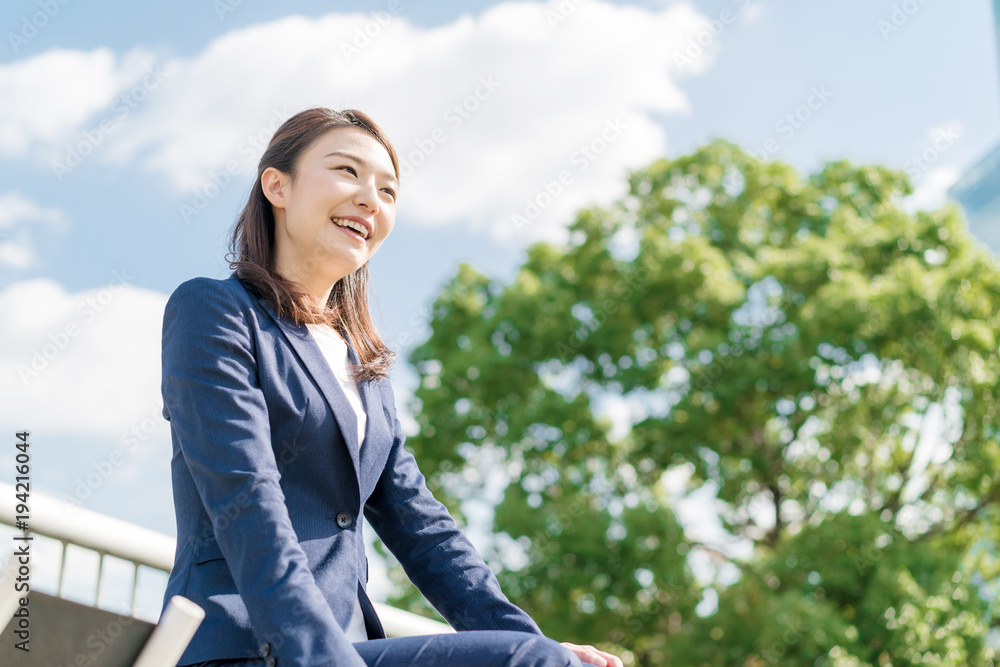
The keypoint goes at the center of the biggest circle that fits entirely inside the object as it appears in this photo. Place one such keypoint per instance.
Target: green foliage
(777, 341)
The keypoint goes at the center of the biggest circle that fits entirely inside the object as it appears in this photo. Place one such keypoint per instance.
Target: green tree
(821, 360)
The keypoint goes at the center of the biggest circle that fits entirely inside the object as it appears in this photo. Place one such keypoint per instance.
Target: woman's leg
(475, 648)
(482, 648)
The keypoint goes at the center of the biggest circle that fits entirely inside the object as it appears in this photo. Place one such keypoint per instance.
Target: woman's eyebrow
(357, 159)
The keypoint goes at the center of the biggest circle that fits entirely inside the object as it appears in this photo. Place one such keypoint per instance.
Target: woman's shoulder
(204, 286)
(213, 298)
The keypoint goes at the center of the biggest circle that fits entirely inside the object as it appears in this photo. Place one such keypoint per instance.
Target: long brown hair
(252, 245)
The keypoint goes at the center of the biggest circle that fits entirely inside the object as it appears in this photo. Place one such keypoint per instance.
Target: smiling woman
(321, 166)
(279, 453)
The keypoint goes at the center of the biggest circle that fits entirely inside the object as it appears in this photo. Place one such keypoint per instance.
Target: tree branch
(962, 518)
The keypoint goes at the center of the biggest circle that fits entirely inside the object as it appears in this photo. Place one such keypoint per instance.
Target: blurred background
(695, 301)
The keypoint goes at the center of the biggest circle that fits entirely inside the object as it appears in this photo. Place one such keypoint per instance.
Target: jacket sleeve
(433, 551)
(219, 417)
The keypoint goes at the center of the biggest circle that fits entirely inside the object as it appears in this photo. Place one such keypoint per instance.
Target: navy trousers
(482, 648)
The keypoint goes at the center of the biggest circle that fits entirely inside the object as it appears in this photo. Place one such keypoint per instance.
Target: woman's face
(345, 173)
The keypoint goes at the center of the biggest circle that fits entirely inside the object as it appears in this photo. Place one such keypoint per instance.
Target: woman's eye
(354, 171)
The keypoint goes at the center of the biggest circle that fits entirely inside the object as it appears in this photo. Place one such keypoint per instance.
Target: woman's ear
(273, 182)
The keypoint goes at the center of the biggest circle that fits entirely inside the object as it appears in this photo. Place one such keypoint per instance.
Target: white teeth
(356, 226)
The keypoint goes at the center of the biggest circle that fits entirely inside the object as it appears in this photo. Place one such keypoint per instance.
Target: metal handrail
(106, 535)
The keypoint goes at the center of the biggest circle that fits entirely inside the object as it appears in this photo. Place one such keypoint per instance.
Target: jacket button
(265, 649)
(271, 662)
(344, 520)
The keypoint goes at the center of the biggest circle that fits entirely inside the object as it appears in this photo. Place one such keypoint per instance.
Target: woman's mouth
(343, 226)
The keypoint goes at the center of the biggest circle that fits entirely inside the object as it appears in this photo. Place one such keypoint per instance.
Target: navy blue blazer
(269, 490)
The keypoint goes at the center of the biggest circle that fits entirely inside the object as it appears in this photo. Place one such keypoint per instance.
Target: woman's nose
(368, 197)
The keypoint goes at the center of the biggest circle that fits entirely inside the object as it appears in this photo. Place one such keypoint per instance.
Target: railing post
(62, 569)
(135, 587)
(100, 576)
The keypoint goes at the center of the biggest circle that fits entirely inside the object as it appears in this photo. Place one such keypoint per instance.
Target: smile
(355, 229)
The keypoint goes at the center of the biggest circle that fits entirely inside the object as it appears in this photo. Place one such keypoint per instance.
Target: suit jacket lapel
(372, 402)
(312, 358)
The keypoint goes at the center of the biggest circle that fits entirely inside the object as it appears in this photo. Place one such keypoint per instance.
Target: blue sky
(161, 96)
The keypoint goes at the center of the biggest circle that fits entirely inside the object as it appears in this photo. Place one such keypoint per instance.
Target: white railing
(108, 536)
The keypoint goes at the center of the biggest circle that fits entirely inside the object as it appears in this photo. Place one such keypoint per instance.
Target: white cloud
(15, 208)
(932, 190)
(49, 97)
(81, 372)
(18, 217)
(17, 251)
(85, 363)
(930, 178)
(556, 88)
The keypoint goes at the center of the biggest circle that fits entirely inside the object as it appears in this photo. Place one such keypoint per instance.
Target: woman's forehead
(350, 138)
(353, 142)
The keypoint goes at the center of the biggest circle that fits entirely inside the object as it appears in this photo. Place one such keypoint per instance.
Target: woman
(277, 451)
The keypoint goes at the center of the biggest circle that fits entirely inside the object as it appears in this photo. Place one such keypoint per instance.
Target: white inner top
(335, 350)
